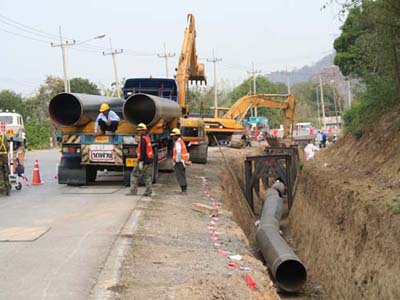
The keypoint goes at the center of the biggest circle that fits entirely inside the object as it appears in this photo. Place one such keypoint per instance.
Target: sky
(274, 34)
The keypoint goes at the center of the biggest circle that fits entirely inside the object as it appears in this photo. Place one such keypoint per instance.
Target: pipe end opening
(139, 108)
(291, 275)
(65, 109)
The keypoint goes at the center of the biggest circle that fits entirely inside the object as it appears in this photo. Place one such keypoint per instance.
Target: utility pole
(63, 46)
(166, 55)
(322, 102)
(335, 102)
(319, 115)
(287, 82)
(114, 52)
(254, 72)
(214, 60)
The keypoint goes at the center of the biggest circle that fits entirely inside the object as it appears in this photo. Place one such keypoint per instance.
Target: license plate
(101, 153)
(130, 162)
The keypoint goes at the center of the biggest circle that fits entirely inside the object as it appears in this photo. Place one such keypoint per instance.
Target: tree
(9, 100)
(84, 86)
(368, 48)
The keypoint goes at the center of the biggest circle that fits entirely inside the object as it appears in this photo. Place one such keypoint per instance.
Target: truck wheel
(155, 166)
(91, 174)
(127, 176)
(198, 153)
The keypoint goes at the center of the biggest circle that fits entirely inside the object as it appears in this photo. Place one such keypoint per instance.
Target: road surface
(55, 239)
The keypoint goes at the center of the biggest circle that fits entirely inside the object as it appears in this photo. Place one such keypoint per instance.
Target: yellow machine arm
(239, 110)
(188, 67)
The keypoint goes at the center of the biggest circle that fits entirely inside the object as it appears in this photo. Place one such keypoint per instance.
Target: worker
(324, 138)
(144, 164)
(4, 167)
(180, 159)
(334, 140)
(107, 119)
(319, 139)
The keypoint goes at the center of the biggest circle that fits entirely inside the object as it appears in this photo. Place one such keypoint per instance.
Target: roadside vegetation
(368, 49)
(38, 127)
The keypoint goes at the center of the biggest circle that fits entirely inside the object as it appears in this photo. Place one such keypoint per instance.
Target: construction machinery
(160, 103)
(231, 122)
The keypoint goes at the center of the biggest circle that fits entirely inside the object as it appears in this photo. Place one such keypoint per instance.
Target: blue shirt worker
(107, 120)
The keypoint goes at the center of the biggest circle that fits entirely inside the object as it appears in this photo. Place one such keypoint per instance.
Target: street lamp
(100, 36)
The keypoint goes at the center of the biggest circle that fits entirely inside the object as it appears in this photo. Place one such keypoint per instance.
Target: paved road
(68, 233)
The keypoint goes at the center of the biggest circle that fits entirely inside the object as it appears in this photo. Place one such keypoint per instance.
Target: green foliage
(9, 100)
(38, 134)
(369, 49)
(306, 102)
(395, 206)
(84, 86)
(263, 86)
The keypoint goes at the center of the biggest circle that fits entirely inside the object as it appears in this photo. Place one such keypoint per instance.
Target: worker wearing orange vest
(180, 159)
(144, 164)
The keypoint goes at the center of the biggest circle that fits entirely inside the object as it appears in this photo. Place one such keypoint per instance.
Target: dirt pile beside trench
(343, 219)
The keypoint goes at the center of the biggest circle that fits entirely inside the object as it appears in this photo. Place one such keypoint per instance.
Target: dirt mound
(344, 220)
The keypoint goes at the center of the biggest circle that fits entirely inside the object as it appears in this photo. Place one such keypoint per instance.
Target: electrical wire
(26, 28)
(24, 36)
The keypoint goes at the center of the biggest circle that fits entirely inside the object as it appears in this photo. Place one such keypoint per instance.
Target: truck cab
(160, 87)
(13, 122)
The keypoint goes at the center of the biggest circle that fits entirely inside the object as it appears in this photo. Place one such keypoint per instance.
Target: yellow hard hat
(141, 126)
(175, 131)
(104, 107)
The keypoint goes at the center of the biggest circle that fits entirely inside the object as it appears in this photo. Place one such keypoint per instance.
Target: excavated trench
(344, 223)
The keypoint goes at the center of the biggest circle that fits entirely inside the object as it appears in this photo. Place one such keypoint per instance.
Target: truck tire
(127, 176)
(91, 174)
(154, 176)
(198, 153)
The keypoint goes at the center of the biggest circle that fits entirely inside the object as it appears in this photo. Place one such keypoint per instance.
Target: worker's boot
(184, 190)
(132, 193)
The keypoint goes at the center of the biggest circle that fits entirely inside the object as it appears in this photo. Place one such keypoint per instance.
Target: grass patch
(395, 205)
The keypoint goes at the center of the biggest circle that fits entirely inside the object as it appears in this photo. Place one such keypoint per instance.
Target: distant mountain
(303, 74)
(324, 68)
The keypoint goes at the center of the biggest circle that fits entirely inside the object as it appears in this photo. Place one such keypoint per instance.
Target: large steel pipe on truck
(149, 109)
(74, 109)
(287, 269)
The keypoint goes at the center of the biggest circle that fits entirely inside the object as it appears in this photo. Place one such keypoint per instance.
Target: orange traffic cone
(36, 175)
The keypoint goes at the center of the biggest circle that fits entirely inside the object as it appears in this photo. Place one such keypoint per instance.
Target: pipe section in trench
(74, 109)
(149, 109)
(289, 272)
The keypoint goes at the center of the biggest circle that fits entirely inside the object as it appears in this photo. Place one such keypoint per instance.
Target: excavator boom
(231, 121)
(188, 68)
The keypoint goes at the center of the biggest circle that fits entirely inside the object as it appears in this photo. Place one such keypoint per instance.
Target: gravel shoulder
(180, 252)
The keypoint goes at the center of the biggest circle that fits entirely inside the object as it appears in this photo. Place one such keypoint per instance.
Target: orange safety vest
(149, 148)
(185, 154)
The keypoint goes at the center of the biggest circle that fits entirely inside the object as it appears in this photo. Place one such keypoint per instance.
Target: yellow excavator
(189, 70)
(231, 122)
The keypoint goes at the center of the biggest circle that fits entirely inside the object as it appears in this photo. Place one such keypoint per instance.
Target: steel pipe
(74, 109)
(149, 109)
(287, 269)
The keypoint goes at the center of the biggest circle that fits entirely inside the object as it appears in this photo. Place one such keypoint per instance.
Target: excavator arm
(188, 67)
(239, 110)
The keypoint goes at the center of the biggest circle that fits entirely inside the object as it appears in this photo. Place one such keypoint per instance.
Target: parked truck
(160, 103)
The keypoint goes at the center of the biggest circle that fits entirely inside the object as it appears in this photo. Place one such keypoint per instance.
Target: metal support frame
(280, 162)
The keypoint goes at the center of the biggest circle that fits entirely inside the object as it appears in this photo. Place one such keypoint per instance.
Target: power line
(18, 24)
(23, 36)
